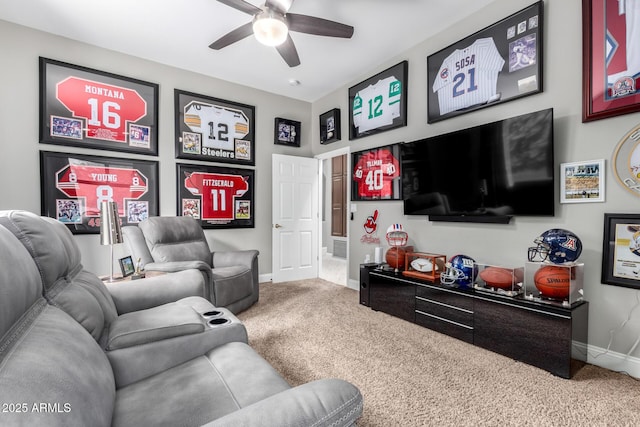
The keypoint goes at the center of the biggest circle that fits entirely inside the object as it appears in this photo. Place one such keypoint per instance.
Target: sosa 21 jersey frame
(74, 185)
(83, 107)
(212, 129)
(218, 197)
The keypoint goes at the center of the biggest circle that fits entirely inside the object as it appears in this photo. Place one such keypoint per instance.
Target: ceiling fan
(272, 23)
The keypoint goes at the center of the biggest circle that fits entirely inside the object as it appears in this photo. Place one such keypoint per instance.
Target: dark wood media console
(535, 333)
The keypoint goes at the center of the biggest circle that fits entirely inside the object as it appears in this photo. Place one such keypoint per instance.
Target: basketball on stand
(553, 281)
(395, 257)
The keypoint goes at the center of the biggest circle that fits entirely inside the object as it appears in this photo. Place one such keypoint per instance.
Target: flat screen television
(488, 173)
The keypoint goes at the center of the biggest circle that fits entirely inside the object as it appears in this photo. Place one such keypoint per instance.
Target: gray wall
(20, 48)
(574, 141)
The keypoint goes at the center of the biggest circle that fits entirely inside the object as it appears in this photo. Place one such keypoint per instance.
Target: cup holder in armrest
(213, 313)
(218, 321)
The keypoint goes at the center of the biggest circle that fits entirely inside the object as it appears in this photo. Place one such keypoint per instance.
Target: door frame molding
(324, 157)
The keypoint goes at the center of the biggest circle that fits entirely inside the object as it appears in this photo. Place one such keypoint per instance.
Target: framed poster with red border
(213, 129)
(83, 107)
(376, 174)
(611, 68)
(74, 185)
(497, 64)
(219, 197)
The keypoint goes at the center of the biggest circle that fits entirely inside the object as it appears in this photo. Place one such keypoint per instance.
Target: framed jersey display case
(88, 108)
(376, 174)
(611, 58)
(212, 129)
(497, 64)
(74, 185)
(379, 103)
(219, 197)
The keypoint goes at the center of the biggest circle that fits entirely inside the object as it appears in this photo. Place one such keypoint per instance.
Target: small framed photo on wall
(582, 182)
(330, 126)
(287, 132)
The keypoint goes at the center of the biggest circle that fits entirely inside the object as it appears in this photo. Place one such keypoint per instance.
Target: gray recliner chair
(172, 244)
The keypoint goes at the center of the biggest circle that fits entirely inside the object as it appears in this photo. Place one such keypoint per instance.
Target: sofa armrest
(151, 292)
(327, 402)
(232, 258)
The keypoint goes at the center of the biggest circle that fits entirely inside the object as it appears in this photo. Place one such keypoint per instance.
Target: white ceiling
(178, 33)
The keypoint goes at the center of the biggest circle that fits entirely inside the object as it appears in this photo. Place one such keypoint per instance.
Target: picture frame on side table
(214, 130)
(74, 185)
(126, 266)
(582, 182)
(610, 88)
(287, 132)
(621, 250)
(88, 108)
(379, 103)
(216, 196)
(497, 64)
(330, 126)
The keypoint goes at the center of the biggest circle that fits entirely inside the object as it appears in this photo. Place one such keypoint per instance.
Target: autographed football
(498, 277)
(422, 265)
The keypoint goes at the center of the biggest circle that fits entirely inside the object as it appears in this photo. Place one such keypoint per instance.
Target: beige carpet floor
(412, 376)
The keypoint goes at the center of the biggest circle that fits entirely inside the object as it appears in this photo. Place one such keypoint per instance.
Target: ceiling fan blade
(281, 6)
(242, 6)
(233, 36)
(288, 52)
(318, 26)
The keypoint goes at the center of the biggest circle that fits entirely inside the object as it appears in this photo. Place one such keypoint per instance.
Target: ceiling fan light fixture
(270, 28)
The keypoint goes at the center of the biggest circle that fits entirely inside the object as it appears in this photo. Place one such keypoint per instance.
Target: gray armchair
(172, 244)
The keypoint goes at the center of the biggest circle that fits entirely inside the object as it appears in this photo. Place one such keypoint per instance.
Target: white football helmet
(396, 236)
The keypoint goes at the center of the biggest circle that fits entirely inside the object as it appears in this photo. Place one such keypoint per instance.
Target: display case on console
(424, 266)
(554, 284)
(498, 279)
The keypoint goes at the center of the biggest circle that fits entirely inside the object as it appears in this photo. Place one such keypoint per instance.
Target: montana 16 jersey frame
(213, 129)
(88, 108)
(218, 197)
(74, 186)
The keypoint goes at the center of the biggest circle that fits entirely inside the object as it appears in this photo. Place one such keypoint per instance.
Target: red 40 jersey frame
(376, 174)
(218, 197)
(74, 185)
(88, 108)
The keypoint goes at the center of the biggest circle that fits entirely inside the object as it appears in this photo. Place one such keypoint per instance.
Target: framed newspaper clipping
(74, 185)
(610, 58)
(621, 250)
(497, 64)
(376, 174)
(88, 108)
(213, 129)
(219, 197)
(379, 103)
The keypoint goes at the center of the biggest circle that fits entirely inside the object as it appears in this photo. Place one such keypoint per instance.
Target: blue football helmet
(556, 245)
(460, 270)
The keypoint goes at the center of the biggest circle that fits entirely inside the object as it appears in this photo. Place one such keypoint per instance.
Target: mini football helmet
(556, 245)
(460, 270)
(396, 236)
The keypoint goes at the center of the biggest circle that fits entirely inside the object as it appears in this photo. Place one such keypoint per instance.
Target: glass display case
(425, 266)
(499, 279)
(557, 284)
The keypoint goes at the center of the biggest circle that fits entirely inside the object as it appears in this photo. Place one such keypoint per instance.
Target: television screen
(487, 173)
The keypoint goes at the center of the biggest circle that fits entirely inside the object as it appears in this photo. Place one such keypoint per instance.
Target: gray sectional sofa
(150, 352)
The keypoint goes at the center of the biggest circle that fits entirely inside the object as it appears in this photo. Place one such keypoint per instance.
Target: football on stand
(553, 281)
(498, 277)
(422, 265)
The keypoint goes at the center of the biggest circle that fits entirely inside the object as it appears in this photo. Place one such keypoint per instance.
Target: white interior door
(295, 216)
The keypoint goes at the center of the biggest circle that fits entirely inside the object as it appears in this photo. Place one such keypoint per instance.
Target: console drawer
(447, 327)
(445, 296)
(438, 309)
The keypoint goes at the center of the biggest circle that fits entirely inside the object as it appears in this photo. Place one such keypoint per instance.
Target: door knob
(277, 226)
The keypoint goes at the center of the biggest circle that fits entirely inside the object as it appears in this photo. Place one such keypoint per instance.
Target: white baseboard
(264, 278)
(353, 284)
(611, 360)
